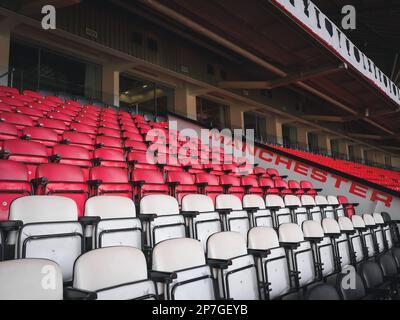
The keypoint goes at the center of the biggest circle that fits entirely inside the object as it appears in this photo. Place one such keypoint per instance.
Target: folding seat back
(308, 188)
(348, 208)
(118, 225)
(300, 253)
(323, 246)
(327, 211)
(14, 183)
(110, 181)
(141, 160)
(283, 187)
(322, 291)
(357, 239)
(274, 174)
(60, 116)
(109, 132)
(73, 155)
(45, 136)
(392, 232)
(13, 101)
(276, 205)
(185, 259)
(268, 185)
(337, 207)
(50, 230)
(148, 182)
(56, 125)
(34, 114)
(120, 273)
(181, 184)
(108, 142)
(385, 230)
(250, 184)
(294, 186)
(82, 128)
(19, 120)
(10, 90)
(313, 211)
(237, 278)
(23, 280)
(78, 139)
(233, 217)
(161, 219)
(231, 185)
(357, 292)
(8, 131)
(208, 184)
(373, 278)
(202, 219)
(369, 235)
(344, 243)
(297, 211)
(271, 260)
(260, 216)
(108, 157)
(62, 180)
(28, 152)
(132, 145)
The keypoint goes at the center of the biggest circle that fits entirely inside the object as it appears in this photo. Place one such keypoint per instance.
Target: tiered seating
(387, 178)
(223, 230)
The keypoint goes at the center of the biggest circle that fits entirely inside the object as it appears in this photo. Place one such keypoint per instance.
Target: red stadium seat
(283, 187)
(6, 108)
(141, 160)
(110, 181)
(109, 132)
(181, 184)
(56, 125)
(62, 180)
(251, 185)
(109, 158)
(82, 128)
(33, 94)
(148, 182)
(19, 120)
(73, 155)
(13, 102)
(29, 152)
(268, 185)
(308, 188)
(108, 142)
(54, 99)
(208, 184)
(132, 145)
(349, 209)
(60, 116)
(274, 174)
(45, 136)
(78, 139)
(8, 131)
(295, 187)
(14, 183)
(231, 185)
(10, 90)
(35, 114)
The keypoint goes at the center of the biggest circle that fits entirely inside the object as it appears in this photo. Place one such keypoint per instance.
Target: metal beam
(366, 136)
(325, 118)
(282, 82)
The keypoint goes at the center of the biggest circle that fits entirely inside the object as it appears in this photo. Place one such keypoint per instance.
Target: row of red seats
(387, 178)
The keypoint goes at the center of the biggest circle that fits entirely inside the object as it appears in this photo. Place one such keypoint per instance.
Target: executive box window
(40, 68)
(289, 135)
(312, 141)
(211, 113)
(258, 123)
(335, 148)
(145, 97)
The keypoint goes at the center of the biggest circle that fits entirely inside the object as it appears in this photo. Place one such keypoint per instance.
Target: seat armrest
(40, 181)
(292, 206)
(202, 184)
(318, 189)
(10, 225)
(251, 209)
(55, 158)
(4, 154)
(274, 207)
(147, 216)
(160, 276)
(78, 294)
(223, 211)
(355, 204)
(89, 220)
(219, 263)
(26, 137)
(95, 183)
(226, 186)
(99, 145)
(289, 245)
(259, 253)
(190, 214)
(173, 184)
(138, 183)
(283, 177)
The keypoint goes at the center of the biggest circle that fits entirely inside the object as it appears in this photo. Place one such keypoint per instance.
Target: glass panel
(137, 94)
(211, 113)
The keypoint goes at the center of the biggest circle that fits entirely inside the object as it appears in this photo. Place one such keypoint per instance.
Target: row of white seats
(266, 265)
(43, 226)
